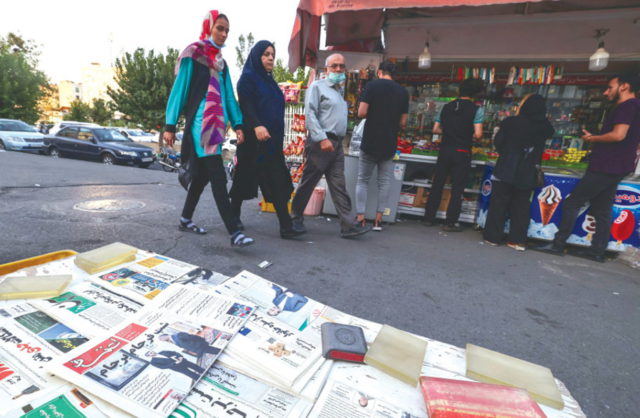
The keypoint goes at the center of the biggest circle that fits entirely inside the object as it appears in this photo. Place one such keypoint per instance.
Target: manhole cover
(108, 205)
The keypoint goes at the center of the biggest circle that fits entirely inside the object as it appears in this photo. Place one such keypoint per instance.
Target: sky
(71, 34)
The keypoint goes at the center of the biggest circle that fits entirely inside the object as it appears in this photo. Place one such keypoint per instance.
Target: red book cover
(447, 398)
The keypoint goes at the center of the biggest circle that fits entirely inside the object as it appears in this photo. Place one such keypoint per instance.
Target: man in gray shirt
(326, 118)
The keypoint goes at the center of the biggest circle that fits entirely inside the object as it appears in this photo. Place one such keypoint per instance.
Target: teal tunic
(178, 97)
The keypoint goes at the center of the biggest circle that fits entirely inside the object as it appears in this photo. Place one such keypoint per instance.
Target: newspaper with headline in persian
(30, 340)
(89, 307)
(224, 391)
(64, 401)
(148, 364)
(145, 278)
(361, 391)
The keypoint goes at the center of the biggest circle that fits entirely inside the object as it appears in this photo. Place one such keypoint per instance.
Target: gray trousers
(366, 163)
(331, 165)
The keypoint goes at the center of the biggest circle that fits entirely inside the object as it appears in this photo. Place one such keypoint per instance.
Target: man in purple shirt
(614, 155)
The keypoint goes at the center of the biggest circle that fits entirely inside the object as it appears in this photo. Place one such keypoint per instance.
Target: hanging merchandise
(544, 74)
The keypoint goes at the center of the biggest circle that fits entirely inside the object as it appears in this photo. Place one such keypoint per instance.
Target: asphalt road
(580, 318)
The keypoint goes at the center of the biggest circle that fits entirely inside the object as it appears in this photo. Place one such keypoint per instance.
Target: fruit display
(573, 155)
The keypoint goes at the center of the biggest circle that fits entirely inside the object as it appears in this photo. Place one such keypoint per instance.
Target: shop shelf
(428, 186)
(409, 210)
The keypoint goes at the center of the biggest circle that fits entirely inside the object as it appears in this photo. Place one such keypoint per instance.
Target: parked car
(56, 128)
(103, 144)
(19, 136)
(136, 134)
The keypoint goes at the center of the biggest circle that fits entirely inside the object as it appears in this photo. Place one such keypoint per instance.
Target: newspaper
(145, 278)
(361, 391)
(29, 340)
(202, 279)
(270, 346)
(224, 391)
(148, 364)
(89, 307)
(65, 401)
(288, 306)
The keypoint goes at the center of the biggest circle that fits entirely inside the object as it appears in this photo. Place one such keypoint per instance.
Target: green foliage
(22, 85)
(100, 112)
(79, 112)
(242, 51)
(144, 83)
(282, 74)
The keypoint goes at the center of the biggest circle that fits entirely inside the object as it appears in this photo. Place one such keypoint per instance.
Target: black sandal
(191, 227)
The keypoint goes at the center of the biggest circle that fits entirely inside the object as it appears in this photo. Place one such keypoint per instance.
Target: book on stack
(449, 398)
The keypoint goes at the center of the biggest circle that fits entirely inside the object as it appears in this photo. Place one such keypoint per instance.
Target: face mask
(215, 44)
(336, 78)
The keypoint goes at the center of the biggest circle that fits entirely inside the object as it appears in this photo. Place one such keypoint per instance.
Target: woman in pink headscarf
(203, 92)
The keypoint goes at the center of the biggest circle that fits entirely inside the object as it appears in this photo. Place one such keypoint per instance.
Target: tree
(242, 51)
(100, 112)
(22, 85)
(79, 112)
(144, 82)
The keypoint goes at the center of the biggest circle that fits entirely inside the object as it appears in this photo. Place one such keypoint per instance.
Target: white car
(19, 136)
(56, 128)
(138, 135)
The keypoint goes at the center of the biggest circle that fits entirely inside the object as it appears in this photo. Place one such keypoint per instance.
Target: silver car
(17, 135)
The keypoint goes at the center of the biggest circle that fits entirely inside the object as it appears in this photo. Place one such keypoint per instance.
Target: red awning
(305, 37)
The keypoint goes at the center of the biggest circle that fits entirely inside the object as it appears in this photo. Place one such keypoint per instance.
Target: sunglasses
(338, 66)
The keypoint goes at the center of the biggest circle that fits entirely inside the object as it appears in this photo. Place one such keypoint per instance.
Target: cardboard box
(422, 195)
(406, 199)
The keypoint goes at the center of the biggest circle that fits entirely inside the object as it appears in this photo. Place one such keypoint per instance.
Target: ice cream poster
(546, 212)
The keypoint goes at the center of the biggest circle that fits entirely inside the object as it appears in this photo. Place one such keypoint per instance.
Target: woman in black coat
(260, 158)
(520, 143)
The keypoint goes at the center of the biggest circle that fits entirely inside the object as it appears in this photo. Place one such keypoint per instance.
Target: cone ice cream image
(589, 226)
(548, 199)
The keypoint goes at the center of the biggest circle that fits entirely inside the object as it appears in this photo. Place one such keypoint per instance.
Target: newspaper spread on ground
(64, 402)
(148, 364)
(145, 278)
(224, 391)
(29, 340)
(89, 307)
(361, 391)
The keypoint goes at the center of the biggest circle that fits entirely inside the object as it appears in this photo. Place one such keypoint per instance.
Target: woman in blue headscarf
(260, 158)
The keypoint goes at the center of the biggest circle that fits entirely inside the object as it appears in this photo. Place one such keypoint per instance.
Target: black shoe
(294, 231)
(550, 248)
(429, 223)
(456, 227)
(354, 230)
(298, 225)
(600, 258)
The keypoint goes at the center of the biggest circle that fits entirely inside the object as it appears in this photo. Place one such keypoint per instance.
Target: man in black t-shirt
(385, 104)
(460, 122)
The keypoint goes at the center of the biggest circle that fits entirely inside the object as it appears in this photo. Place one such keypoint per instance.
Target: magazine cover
(148, 364)
(63, 402)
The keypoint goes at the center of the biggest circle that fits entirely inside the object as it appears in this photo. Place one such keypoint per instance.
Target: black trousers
(516, 203)
(205, 170)
(458, 165)
(599, 189)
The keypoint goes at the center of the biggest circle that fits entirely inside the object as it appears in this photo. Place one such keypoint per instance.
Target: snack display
(296, 147)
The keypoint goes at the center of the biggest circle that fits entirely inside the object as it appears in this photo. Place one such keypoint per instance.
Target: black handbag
(184, 174)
